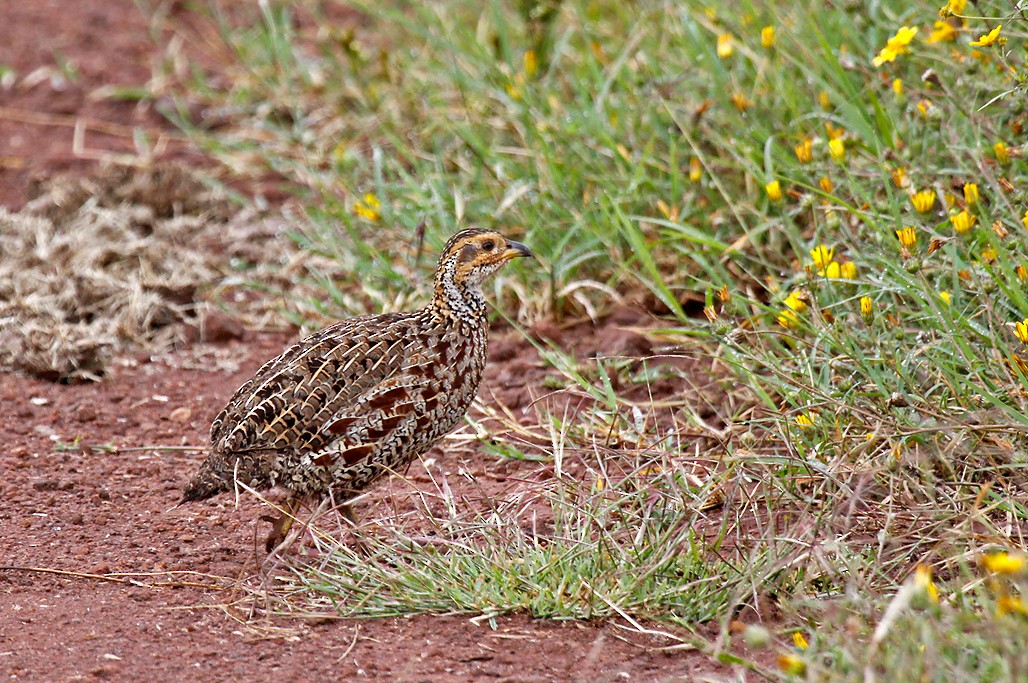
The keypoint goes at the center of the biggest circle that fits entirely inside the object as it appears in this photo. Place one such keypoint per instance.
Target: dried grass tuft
(97, 267)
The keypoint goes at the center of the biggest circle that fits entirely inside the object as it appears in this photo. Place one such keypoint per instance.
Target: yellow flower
(1008, 563)
(945, 297)
(837, 148)
(824, 99)
(788, 319)
(989, 254)
(797, 638)
(805, 150)
(926, 108)
(741, 102)
(792, 665)
(963, 221)
(833, 271)
(971, 195)
(367, 208)
(923, 580)
(1002, 153)
(767, 37)
(797, 301)
(848, 271)
(826, 185)
(1009, 604)
(1024, 220)
(943, 32)
(531, 63)
(1021, 332)
(867, 306)
(899, 177)
(804, 421)
(953, 7)
(695, 170)
(989, 38)
(923, 201)
(1021, 272)
(907, 237)
(897, 87)
(822, 255)
(774, 190)
(897, 45)
(725, 48)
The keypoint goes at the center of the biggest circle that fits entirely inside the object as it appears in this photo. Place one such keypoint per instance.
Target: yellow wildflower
(899, 177)
(1001, 151)
(741, 102)
(946, 299)
(923, 201)
(822, 255)
(695, 170)
(1021, 332)
(953, 7)
(989, 254)
(943, 32)
(897, 87)
(1024, 220)
(797, 301)
(767, 37)
(1021, 272)
(834, 131)
(923, 580)
(824, 99)
(805, 150)
(788, 319)
(971, 195)
(833, 271)
(1010, 604)
(792, 665)
(367, 208)
(837, 148)
(774, 191)
(804, 421)
(907, 237)
(897, 45)
(531, 63)
(848, 271)
(926, 108)
(867, 308)
(1008, 563)
(725, 47)
(989, 38)
(963, 222)
(797, 638)
(826, 185)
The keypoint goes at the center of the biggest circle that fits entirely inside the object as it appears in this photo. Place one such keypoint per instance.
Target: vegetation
(844, 187)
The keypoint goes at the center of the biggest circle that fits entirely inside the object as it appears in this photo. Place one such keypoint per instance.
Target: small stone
(181, 414)
(219, 327)
(45, 484)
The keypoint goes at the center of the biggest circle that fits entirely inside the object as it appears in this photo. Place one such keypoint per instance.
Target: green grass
(610, 137)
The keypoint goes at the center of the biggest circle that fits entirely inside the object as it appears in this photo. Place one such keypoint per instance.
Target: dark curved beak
(517, 250)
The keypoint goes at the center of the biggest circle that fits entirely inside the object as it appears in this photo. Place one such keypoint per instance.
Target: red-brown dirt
(100, 578)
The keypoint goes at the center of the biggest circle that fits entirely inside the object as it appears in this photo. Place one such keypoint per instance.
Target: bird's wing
(292, 398)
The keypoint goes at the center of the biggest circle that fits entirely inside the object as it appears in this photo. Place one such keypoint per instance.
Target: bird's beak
(517, 250)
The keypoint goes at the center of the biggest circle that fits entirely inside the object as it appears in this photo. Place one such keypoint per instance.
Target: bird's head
(468, 258)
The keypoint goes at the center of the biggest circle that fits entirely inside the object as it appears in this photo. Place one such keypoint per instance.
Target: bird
(362, 397)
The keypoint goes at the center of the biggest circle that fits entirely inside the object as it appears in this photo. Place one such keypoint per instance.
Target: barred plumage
(362, 397)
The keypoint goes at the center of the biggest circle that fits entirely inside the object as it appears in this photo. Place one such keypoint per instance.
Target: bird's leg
(281, 525)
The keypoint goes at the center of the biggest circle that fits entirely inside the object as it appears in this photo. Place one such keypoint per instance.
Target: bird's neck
(455, 299)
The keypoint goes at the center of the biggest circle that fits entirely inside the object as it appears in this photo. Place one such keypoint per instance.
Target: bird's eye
(488, 245)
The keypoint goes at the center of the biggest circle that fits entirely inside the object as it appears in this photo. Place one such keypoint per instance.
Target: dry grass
(113, 264)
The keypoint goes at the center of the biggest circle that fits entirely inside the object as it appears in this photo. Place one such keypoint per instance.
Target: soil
(102, 577)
